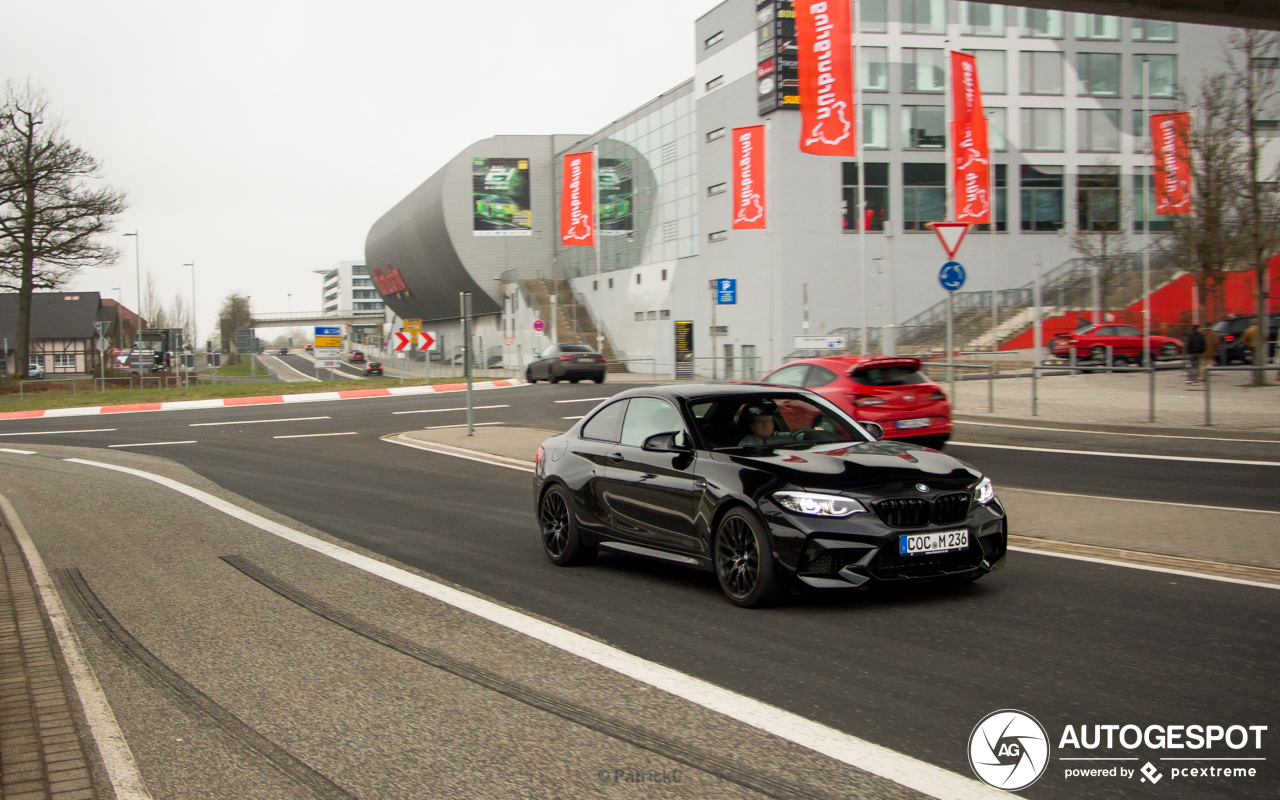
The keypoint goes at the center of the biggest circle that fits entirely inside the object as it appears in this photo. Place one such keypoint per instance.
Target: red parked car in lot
(890, 391)
(1125, 342)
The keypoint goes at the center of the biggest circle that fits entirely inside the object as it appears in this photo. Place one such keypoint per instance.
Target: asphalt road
(912, 669)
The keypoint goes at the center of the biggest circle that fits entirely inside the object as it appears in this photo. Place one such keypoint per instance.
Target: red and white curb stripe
(222, 402)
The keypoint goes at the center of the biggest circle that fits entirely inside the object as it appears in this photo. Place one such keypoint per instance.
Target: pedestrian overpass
(1230, 13)
(302, 319)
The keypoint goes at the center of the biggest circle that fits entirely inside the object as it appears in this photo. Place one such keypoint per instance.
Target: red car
(357, 357)
(888, 390)
(1125, 342)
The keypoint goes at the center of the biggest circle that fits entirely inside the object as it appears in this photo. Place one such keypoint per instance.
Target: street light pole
(195, 336)
(137, 264)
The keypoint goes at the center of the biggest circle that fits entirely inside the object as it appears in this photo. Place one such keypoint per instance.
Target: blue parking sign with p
(727, 291)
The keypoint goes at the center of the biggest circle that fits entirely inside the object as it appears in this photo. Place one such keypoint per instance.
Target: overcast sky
(262, 139)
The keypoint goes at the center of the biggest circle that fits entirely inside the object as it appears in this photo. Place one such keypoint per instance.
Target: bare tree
(52, 217)
(1101, 238)
(179, 314)
(153, 310)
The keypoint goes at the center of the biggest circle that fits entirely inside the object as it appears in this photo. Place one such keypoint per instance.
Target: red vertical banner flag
(748, 178)
(1171, 143)
(825, 49)
(971, 154)
(577, 201)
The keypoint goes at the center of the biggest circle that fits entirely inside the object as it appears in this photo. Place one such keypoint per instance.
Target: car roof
(842, 363)
(687, 390)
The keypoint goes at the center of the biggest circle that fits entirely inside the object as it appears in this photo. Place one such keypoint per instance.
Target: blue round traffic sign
(951, 276)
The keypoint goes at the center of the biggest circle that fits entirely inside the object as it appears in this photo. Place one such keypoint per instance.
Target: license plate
(907, 424)
(918, 544)
(586, 359)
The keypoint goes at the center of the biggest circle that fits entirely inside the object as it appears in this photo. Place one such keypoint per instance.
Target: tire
(744, 562)
(558, 525)
(1098, 354)
(573, 380)
(551, 378)
(1119, 361)
(528, 377)
(599, 380)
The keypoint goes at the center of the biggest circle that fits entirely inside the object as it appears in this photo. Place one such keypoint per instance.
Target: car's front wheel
(744, 561)
(559, 525)
(1169, 350)
(528, 377)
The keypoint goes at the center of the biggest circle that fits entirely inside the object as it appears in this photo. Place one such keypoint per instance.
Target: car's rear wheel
(559, 526)
(599, 380)
(573, 380)
(744, 561)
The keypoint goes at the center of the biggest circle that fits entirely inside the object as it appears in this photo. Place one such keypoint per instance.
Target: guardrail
(72, 381)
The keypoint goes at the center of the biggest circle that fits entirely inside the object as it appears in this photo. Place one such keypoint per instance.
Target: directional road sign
(819, 343)
(951, 276)
(401, 341)
(426, 339)
(412, 326)
(951, 234)
(726, 292)
(328, 336)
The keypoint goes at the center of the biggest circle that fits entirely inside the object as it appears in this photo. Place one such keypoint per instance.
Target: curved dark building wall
(428, 236)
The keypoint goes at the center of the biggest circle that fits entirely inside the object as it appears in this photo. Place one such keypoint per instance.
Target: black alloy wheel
(559, 526)
(744, 561)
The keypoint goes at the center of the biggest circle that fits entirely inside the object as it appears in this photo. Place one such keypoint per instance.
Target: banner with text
(827, 119)
(972, 156)
(577, 201)
(748, 178)
(1171, 139)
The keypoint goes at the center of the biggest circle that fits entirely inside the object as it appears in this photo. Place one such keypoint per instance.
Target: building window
(639, 316)
(875, 69)
(923, 128)
(924, 195)
(1164, 75)
(1099, 130)
(981, 19)
(875, 127)
(1266, 63)
(64, 362)
(877, 195)
(664, 314)
(1099, 74)
(991, 70)
(637, 279)
(664, 274)
(611, 283)
(595, 286)
(924, 16)
(1042, 130)
(716, 188)
(717, 236)
(1152, 30)
(713, 40)
(1041, 72)
(1038, 23)
(1097, 26)
(1042, 198)
(875, 16)
(651, 315)
(1001, 192)
(998, 129)
(1144, 211)
(1098, 199)
(715, 83)
(715, 134)
(923, 70)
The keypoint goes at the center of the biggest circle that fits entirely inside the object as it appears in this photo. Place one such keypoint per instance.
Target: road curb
(223, 402)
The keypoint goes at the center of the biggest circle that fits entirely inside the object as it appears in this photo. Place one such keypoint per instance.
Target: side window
(647, 416)
(606, 425)
(549, 352)
(819, 376)
(789, 376)
(1125, 330)
(1106, 330)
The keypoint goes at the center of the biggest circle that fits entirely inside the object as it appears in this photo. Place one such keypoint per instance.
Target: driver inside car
(763, 431)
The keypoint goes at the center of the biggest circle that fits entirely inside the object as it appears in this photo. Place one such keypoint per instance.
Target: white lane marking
(1131, 565)
(295, 369)
(463, 425)
(458, 452)
(46, 433)
(313, 435)
(580, 416)
(1106, 433)
(460, 408)
(253, 421)
(1148, 502)
(858, 753)
(1150, 456)
(582, 400)
(152, 444)
(117, 758)
(18, 452)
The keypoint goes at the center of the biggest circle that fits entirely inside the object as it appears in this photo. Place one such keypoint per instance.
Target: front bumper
(862, 550)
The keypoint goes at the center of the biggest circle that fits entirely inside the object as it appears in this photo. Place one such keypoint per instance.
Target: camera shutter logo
(1009, 750)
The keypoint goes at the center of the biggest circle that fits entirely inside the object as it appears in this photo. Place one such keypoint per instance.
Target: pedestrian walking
(1212, 346)
(1195, 349)
(1248, 341)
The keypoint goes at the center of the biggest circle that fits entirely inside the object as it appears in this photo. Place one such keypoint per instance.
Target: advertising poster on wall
(617, 198)
(500, 197)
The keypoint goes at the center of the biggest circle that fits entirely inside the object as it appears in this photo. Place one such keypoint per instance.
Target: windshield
(889, 376)
(771, 419)
(574, 348)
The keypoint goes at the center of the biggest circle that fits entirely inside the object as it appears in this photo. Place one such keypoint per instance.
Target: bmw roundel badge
(920, 487)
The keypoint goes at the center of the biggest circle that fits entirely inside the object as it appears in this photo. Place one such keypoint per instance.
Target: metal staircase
(573, 320)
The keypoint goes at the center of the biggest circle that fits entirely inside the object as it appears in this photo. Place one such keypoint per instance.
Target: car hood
(837, 466)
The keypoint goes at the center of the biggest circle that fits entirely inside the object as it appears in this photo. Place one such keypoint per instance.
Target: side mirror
(673, 442)
(874, 429)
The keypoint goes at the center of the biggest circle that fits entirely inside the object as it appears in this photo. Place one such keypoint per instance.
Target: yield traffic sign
(951, 234)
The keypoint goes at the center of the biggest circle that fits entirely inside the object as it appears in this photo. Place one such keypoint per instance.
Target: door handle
(648, 476)
(616, 458)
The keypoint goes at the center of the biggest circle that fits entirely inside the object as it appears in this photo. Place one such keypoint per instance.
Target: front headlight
(818, 505)
(984, 492)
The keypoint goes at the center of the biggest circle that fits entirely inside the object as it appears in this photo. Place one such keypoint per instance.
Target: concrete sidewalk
(1224, 542)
